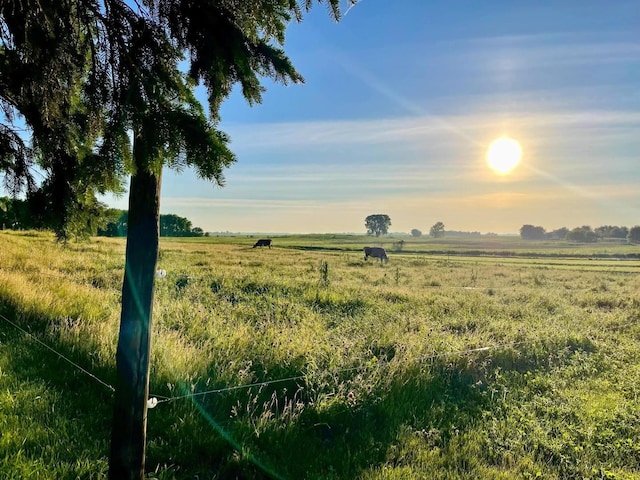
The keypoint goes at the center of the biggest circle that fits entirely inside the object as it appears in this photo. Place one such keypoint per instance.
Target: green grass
(378, 369)
(502, 246)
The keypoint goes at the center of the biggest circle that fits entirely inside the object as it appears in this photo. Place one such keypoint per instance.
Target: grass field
(459, 359)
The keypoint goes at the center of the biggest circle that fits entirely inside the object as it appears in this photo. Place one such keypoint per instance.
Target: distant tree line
(583, 234)
(459, 233)
(17, 214)
(34, 213)
(170, 225)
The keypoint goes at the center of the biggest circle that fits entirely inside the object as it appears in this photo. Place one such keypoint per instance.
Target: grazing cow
(263, 242)
(375, 252)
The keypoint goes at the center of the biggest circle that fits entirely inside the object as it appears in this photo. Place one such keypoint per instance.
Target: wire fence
(71, 362)
(163, 275)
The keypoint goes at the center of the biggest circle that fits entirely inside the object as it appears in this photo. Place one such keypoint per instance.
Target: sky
(401, 101)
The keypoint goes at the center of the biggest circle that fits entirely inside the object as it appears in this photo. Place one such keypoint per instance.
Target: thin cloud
(250, 204)
(299, 135)
(552, 50)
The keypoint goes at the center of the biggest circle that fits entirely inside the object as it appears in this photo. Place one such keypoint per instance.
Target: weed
(324, 273)
(181, 282)
(474, 276)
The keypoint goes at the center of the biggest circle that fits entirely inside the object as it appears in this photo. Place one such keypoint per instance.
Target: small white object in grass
(161, 273)
(152, 402)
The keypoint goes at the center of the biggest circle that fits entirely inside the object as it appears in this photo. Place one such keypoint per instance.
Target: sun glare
(504, 155)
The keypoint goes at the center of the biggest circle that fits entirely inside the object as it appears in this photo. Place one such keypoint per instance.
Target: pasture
(459, 359)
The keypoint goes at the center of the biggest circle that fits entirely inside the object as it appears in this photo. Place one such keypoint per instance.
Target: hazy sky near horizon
(401, 101)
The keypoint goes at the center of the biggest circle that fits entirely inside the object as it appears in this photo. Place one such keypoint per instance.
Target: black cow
(376, 252)
(263, 242)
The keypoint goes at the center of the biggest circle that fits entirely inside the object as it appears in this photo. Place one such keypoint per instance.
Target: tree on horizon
(530, 232)
(377, 224)
(437, 230)
(634, 234)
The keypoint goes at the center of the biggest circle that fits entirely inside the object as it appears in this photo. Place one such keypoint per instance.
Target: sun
(504, 155)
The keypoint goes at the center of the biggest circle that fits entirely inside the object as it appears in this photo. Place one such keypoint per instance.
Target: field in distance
(305, 361)
(481, 245)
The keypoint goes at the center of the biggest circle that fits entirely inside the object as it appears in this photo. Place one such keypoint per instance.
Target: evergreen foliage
(77, 77)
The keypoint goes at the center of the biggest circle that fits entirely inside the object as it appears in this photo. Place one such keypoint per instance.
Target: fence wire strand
(165, 399)
(83, 370)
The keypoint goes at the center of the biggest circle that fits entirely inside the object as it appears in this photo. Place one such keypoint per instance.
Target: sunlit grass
(380, 370)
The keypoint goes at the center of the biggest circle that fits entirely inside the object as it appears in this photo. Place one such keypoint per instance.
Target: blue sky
(401, 101)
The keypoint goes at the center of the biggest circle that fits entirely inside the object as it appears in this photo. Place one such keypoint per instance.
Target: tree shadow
(71, 410)
(351, 432)
(340, 440)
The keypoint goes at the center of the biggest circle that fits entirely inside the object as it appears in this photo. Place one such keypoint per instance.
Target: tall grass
(320, 365)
